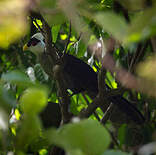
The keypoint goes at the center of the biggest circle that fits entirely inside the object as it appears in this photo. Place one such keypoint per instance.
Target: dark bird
(51, 115)
(79, 76)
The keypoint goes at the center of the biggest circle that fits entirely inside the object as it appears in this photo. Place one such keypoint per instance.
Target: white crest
(38, 36)
(38, 48)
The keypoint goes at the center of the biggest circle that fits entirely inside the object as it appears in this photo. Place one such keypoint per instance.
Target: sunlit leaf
(55, 31)
(33, 100)
(63, 36)
(38, 23)
(13, 22)
(17, 114)
(87, 135)
(43, 152)
(110, 80)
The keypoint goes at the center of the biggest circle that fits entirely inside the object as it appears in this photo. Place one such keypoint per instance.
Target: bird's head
(36, 44)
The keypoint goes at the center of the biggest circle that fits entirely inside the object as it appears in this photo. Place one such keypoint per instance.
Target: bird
(79, 76)
(51, 115)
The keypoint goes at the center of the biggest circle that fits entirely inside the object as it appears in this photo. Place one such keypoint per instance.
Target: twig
(101, 82)
(85, 113)
(95, 114)
(107, 114)
(139, 52)
(113, 137)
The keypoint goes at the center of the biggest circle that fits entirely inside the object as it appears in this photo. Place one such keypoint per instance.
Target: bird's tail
(128, 108)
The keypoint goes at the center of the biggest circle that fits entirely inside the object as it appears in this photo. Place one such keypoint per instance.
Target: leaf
(122, 134)
(89, 136)
(133, 5)
(28, 132)
(55, 31)
(55, 18)
(113, 24)
(81, 48)
(33, 100)
(8, 101)
(115, 152)
(16, 77)
(48, 3)
(75, 152)
(142, 26)
(13, 21)
(110, 80)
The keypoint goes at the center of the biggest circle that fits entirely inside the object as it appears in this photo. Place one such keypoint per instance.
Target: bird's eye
(33, 42)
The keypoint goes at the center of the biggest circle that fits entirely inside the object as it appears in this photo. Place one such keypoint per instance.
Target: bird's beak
(25, 47)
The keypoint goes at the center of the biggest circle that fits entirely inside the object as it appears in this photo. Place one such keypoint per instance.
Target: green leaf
(113, 24)
(7, 99)
(28, 132)
(133, 5)
(57, 17)
(81, 48)
(55, 31)
(75, 152)
(48, 3)
(89, 136)
(115, 152)
(142, 26)
(122, 134)
(16, 77)
(33, 100)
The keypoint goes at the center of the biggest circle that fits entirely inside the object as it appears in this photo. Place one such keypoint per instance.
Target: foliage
(25, 91)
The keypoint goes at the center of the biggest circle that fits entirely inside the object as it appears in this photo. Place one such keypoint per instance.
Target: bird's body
(79, 77)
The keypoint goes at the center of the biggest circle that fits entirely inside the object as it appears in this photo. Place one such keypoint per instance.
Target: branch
(153, 41)
(95, 114)
(56, 70)
(123, 76)
(63, 94)
(107, 114)
(85, 113)
(138, 54)
(118, 7)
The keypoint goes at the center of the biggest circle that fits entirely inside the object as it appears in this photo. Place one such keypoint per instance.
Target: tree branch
(63, 94)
